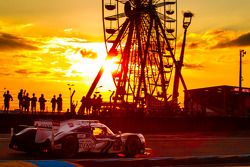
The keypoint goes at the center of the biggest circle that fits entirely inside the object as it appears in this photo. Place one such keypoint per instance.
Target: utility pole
(242, 53)
(70, 96)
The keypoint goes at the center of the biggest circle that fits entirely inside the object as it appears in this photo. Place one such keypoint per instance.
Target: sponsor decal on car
(86, 144)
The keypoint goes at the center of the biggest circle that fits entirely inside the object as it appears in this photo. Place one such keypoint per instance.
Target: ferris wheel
(142, 35)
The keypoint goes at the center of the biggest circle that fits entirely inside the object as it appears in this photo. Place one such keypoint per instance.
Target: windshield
(102, 130)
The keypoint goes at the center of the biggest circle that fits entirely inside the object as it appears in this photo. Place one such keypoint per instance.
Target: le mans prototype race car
(68, 138)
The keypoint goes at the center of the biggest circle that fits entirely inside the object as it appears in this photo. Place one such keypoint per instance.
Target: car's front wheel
(69, 146)
(132, 146)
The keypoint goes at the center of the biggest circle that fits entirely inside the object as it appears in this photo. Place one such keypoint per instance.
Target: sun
(111, 65)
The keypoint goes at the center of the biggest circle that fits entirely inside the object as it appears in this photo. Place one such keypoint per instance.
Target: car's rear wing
(55, 124)
(46, 123)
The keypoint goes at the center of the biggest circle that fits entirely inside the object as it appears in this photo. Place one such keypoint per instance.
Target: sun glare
(88, 61)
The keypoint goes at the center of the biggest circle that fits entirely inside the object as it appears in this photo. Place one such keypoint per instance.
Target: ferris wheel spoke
(142, 66)
(163, 86)
(126, 56)
(171, 53)
(120, 35)
(146, 53)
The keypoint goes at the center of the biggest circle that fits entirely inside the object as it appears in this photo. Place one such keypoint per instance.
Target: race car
(70, 137)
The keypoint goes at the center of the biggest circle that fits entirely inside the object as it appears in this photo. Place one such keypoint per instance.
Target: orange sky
(41, 43)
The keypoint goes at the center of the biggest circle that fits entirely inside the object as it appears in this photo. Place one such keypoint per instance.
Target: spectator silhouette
(23, 101)
(59, 103)
(53, 101)
(33, 103)
(27, 102)
(83, 106)
(88, 105)
(42, 103)
(20, 99)
(94, 105)
(98, 104)
(73, 107)
(7, 97)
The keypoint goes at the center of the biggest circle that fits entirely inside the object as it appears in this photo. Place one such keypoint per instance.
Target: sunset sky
(47, 44)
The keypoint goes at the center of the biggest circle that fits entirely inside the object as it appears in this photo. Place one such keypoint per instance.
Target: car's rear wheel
(69, 146)
(133, 146)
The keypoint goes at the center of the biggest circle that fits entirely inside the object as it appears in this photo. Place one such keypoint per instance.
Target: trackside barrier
(134, 162)
(163, 161)
(37, 163)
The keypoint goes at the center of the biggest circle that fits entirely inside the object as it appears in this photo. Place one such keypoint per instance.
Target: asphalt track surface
(176, 149)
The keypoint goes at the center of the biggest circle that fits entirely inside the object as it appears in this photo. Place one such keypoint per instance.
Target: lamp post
(187, 18)
(110, 98)
(96, 91)
(242, 53)
(70, 97)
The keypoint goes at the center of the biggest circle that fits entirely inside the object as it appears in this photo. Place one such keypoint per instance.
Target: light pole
(187, 18)
(97, 89)
(70, 97)
(242, 53)
(110, 98)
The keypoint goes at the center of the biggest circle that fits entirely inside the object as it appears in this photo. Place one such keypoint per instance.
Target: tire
(46, 146)
(132, 146)
(69, 146)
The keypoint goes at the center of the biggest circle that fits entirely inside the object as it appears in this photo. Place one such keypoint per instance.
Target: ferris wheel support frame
(171, 52)
(122, 83)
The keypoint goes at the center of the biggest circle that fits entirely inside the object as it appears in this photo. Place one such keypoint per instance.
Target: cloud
(194, 45)
(243, 40)
(24, 72)
(20, 56)
(9, 41)
(43, 72)
(215, 39)
(5, 74)
(193, 66)
(27, 72)
(88, 54)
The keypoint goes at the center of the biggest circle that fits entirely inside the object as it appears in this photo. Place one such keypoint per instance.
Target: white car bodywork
(88, 141)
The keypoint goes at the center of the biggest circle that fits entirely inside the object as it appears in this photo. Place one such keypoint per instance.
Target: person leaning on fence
(7, 97)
